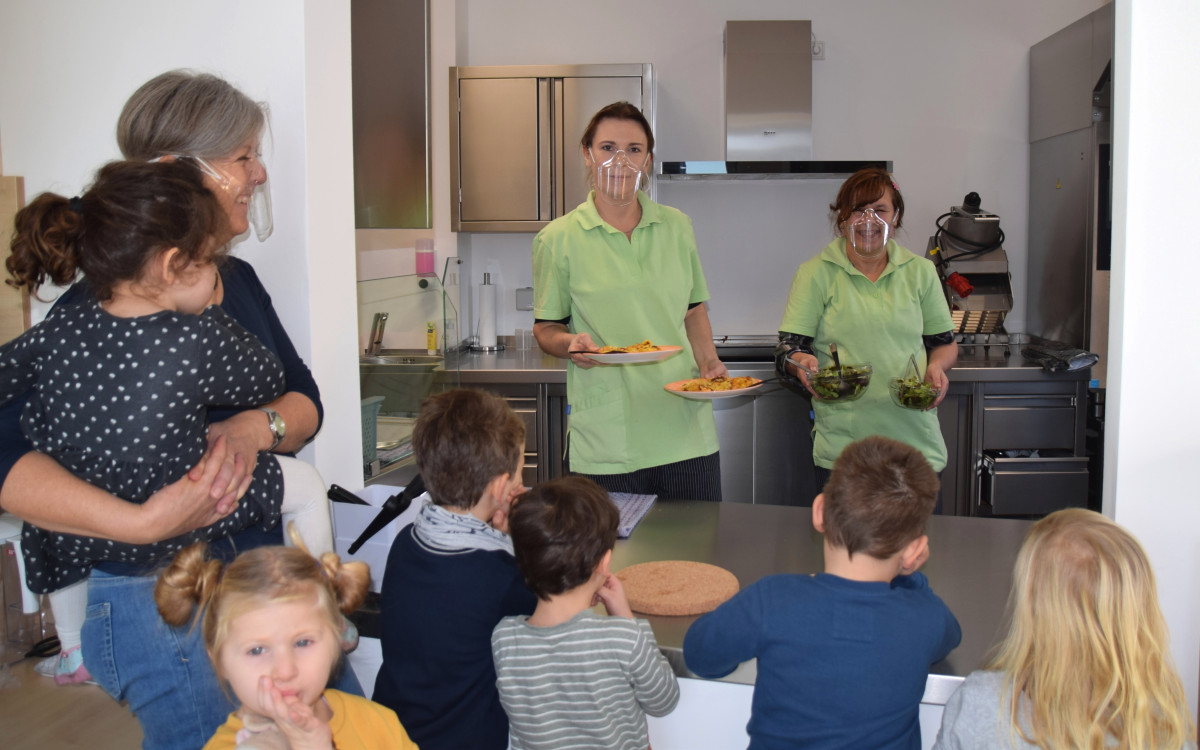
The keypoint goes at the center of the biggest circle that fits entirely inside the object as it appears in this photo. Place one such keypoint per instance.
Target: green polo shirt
(622, 291)
(881, 323)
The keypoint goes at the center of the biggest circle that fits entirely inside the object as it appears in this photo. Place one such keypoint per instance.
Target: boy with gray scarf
(451, 575)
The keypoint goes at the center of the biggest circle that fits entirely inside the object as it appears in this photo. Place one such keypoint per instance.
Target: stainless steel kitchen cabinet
(1014, 441)
(390, 80)
(766, 442)
(543, 409)
(515, 162)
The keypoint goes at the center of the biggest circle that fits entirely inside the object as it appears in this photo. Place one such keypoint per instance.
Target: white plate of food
(707, 389)
(628, 355)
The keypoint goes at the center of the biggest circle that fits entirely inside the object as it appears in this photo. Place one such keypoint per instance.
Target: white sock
(69, 606)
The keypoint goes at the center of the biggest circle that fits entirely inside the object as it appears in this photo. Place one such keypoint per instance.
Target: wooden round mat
(676, 587)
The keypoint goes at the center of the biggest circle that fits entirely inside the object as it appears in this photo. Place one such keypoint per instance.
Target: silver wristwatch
(277, 425)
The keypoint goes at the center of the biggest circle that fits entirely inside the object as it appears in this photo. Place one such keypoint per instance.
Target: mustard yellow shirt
(357, 724)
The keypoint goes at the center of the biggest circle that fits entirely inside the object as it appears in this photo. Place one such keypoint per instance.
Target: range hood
(768, 108)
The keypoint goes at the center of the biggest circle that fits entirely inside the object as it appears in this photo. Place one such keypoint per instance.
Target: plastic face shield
(867, 233)
(618, 178)
(259, 211)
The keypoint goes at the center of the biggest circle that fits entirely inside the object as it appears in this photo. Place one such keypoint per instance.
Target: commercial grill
(968, 251)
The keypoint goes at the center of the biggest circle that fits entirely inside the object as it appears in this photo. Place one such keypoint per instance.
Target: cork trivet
(676, 587)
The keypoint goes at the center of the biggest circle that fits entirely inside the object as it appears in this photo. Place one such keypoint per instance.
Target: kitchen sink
(412, 361)
(403, 377)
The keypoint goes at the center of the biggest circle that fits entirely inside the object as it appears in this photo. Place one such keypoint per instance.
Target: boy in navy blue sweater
(842, 655)
(451, 575)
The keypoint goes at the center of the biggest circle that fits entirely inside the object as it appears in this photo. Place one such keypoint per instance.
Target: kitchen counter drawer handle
(1049, 399)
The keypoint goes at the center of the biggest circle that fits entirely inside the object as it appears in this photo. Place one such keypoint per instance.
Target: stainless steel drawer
(526, 409)
(1029, 422)
(1032, 486)
(529, 475)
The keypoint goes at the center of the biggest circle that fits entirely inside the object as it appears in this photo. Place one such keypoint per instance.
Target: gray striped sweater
(587, 683)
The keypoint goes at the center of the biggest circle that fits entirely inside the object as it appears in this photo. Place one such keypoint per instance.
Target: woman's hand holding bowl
(804, 364)
(936, 376)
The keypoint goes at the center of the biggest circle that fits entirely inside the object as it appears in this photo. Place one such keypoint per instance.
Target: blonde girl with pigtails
(1085, 662)
(271, 622)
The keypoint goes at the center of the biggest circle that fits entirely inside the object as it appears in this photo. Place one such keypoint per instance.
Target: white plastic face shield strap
(867, 233)
(258, 212)
(618, 178)
(260, 216)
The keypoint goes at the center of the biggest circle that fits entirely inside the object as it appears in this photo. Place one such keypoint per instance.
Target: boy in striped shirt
(568, 677)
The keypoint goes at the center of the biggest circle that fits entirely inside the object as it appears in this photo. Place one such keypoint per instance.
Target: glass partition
(399, 317)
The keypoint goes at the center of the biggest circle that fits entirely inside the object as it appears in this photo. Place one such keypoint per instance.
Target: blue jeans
(162, 671)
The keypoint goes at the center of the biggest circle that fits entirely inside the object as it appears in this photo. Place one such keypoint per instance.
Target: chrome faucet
(375, 340)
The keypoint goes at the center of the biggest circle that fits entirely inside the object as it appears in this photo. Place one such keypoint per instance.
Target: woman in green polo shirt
(879, 303)
(617, 270)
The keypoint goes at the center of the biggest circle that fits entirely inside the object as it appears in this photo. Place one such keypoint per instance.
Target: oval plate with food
(628, 358)
(707, 389)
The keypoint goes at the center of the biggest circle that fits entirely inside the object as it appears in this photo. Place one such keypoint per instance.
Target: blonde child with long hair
(1085, 662)
(271, 622)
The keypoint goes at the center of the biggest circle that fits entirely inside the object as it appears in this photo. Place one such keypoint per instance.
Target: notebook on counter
(632, 509)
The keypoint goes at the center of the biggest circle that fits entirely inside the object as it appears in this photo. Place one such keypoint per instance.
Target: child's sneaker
(66, 668)
(45, 667)
(349, 635)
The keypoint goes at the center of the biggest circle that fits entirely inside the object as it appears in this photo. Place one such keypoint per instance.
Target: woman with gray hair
(163, 672)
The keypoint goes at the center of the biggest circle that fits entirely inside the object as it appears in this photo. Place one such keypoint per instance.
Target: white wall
(1152, 442)
(67, 67)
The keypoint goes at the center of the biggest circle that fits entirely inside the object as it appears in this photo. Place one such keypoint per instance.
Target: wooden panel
(14, 305)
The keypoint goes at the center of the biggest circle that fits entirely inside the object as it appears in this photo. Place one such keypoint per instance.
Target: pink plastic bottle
(425, 258)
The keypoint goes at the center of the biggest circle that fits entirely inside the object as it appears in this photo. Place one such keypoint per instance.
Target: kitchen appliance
(1070, 185)
(768, 90)
(1070, 202)
(968, 251)
(768, 109)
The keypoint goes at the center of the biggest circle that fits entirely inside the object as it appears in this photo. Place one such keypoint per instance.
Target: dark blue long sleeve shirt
(841, 663)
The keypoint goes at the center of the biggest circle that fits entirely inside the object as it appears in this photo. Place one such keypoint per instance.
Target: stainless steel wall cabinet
(390, 78)
(515, 162)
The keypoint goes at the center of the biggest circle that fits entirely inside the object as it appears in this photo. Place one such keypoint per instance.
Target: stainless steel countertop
(969, 567)
(507, 366)
(533, 366)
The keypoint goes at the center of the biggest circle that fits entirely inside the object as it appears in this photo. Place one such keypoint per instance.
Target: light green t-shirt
(623, 291)
(881, 323)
